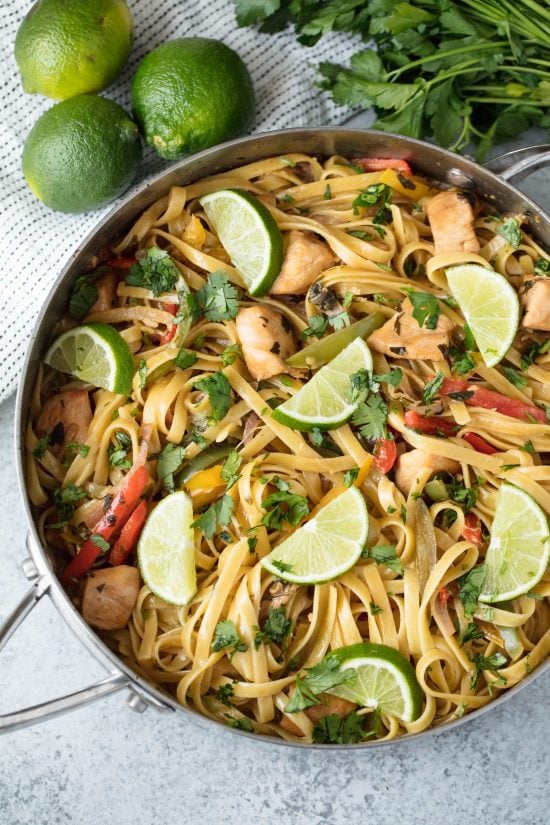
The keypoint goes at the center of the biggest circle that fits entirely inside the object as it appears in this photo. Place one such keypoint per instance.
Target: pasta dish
(358, 569)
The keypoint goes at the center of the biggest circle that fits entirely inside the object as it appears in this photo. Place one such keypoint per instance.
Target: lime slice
(166, 550)
(249, 234)
(519, 550)
(326, 546)
(325, 401)
(95, 353)
(384, 679)
(490, 305)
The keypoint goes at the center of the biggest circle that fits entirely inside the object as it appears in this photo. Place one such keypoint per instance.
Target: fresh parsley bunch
(464, 71)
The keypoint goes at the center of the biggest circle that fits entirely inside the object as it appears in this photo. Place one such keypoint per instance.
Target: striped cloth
(36, 242)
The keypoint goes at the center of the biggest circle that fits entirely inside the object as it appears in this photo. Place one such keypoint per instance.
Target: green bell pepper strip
(323, 351)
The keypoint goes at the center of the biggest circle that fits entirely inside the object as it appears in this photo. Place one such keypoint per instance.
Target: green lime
(166, 550)
(71, 48)
(249, 234)
(490, 305)
(324, 402)
(384, 679)
(192, 93)
(81, 154)
(95, 353)
(519, 549)
(325, 546)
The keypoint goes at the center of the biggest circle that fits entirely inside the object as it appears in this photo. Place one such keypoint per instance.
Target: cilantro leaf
(219, 513)
(371, 417)
(224, 693)
(185, 359)
(318, 679)
(282, 566)
(218, 298)
(230, 354)
(350, 476)
(155, 271)
(542, 266)
(142, 371)
(461, 362)
(332, 730)
(76, 447)
(227, 635)
(465, 496)
(385, 554)
(317, 326)
(275, 628)
(41, 446)
(218, 389)
(482, 663)
(283, 506)
(169, 462)
(118, 451)
(511, 232)
(470, 634)
(230, 468)
(65, 499)
(515, 377)
(373, 195)
(431, 388)
(470, 587)
(100, 542)
(84, 293)
(425, 308)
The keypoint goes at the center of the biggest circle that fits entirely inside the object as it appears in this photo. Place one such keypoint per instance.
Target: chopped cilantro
(283, 506)
(230, 354)
(224, 693)
(317, 326)
(528, 447)
(469, 340)
(318, 679)
(230, 468)
(317, 437)
(327, 195)
(515, 377)
(282, 566)
(425, 308)
(371, 196)
(510, 231)
(65, 499)
(185, 359)
(155, 271)
(275, 628)
(384, 554)
(142, 370)
(333, 730)
(244, 723)
(169, 462)
(41, 446)
(100, 542)
(465, 496)
(542, 266)
(252, 542)
(84, 293)
(461, 362)
(217, 299)
(471, 633)
(350, 476)
(482, 663)
(227, 635)
(371, 417)
(218, 389)
(431, 388)
(219, 513)
(76, 447)
(374, 609)
(470, 587)
(118, 452)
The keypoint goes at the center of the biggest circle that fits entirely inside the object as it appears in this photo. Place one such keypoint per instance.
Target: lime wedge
(490, 305)
(325, 401)
(95, 353)
(519, 550)
(166, 550)
(249, 235)
(325, 546)
(384, 679)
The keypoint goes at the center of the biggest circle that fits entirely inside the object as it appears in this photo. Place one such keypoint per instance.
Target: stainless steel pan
(494, 183)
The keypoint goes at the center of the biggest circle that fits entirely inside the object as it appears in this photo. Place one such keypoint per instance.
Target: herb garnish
(318, 679)
(332, 730)
(169, 462)
(218, 389)
(275, 628)
(155, 271)
(283, 506)
(230, 468)
(426, 309)
(371, 417)
(227, 635)
(431, 388)
(65, 499)
(384, 554)
(470, 586)
(217, 299)
(482, 663)
(219, 513)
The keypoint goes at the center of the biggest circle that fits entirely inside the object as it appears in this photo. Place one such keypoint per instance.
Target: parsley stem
(506, 101)
(440, 55)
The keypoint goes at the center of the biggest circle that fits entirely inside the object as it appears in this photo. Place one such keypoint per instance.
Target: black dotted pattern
(36, 242)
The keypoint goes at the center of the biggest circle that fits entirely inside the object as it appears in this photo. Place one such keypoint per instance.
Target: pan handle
(55, 707)
(514, 166)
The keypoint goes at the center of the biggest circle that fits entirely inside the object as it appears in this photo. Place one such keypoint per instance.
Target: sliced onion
(426, 555)
(512, 643)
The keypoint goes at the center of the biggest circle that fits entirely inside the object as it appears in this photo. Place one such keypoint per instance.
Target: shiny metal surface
(438, 164)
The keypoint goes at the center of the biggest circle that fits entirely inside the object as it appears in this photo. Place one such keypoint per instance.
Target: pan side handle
(517, 165)
(55, 707)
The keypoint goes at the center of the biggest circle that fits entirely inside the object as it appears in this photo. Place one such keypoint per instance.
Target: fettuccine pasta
(359, 237)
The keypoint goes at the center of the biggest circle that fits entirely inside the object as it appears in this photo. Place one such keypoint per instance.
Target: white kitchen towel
(36, 242)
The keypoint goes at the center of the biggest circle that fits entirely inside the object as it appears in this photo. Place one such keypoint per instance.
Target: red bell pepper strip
(167, 336)
(472, 530)
(115, 516)
(479, 444)
(379, 164)
(385, 453)
(129, 535)
(121, 263)
(489, 400)
(430, 424)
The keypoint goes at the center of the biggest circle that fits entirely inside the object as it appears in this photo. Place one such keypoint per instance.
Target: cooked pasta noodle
(376, 260)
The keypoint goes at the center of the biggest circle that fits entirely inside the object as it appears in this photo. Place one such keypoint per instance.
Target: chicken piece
(535, 297)
(409, 465)
(330, 704)
(402, 337)
(451, 220)
(266, 340)
(305, 258)
(106, 293)
(65, 417)
(109, 597)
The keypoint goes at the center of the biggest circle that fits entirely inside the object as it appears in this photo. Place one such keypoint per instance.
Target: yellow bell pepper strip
(205, 486)
(405, 184)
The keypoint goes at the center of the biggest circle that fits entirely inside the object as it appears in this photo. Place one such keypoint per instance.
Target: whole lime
(81, 154)
(192, 93)
(66, 48)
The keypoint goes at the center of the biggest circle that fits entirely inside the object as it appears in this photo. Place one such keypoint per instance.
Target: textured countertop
(106, 764)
